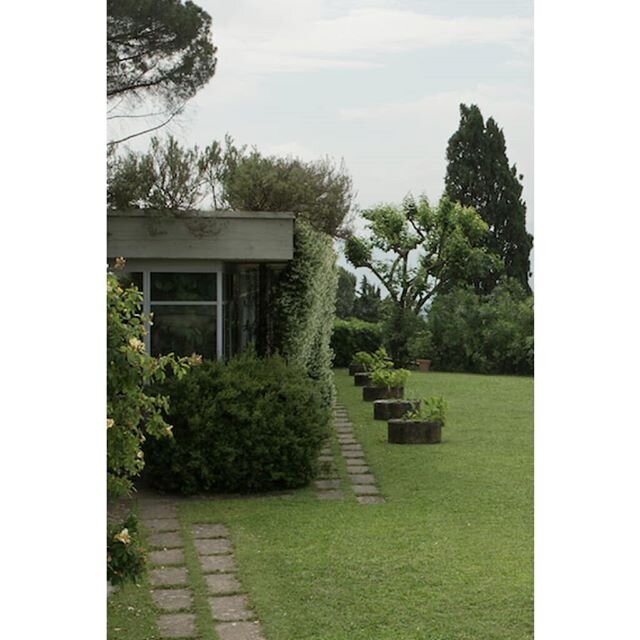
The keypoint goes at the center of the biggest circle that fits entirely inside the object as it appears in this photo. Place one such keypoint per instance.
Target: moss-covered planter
(369, 394)
(389, 409)
(362, 379)
(413, 432)
(356, 368)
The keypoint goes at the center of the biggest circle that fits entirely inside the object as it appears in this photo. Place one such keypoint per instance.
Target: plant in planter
(385, 383)
(364, 362)
(420, 426)
(387, 409)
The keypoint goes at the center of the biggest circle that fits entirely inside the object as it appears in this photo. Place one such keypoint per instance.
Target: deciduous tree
(422, 250)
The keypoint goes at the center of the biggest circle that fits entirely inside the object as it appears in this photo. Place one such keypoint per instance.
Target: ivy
(304, 307)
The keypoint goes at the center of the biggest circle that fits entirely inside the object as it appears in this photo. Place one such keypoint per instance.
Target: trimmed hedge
(351, 336)
(252, 425)
(304, 305)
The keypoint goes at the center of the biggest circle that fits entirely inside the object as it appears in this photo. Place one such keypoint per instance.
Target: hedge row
(353, 335)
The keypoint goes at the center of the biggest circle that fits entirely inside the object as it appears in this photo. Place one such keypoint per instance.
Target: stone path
(230, 609)
(362, 480)
(167, 573)
(328, 483)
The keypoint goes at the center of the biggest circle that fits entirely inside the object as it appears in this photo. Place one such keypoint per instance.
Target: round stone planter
(413, 432)
(389, 409)
(361, 379)
(356, 368)
(369, 394)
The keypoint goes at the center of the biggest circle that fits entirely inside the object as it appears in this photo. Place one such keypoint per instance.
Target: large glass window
(183, 330)
(184, 313)
(183, 287)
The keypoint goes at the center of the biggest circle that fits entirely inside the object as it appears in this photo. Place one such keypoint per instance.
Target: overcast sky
(374, 83)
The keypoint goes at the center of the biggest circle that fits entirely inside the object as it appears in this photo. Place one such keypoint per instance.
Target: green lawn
(449, 557)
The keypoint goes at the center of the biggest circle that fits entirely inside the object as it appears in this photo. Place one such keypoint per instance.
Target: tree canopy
(422, 250)
(321, 191)
(429, 248)
(170, 176)
(479, 176)
(161, 48)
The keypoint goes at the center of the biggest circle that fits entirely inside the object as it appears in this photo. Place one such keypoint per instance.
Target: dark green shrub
(351, 336)
(125, 556)
(251, 425)
(483, 334)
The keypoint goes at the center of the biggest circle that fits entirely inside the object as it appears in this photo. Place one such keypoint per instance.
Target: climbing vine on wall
(304, 307)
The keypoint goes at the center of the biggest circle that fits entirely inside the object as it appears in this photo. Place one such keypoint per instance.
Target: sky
(376, 84)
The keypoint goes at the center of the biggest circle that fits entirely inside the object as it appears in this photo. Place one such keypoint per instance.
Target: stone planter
(423, 365)
(362, 379)
(356, 368)
(389, 409)
(369, 394)
(413, 432)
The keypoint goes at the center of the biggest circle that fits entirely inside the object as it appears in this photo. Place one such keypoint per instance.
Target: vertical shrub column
(304, 307)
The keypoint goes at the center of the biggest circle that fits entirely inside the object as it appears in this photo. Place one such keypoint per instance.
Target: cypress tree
(479, 176)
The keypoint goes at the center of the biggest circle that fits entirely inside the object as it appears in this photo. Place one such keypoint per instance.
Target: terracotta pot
(388, 409)
(423, 365)
(369, 394)
(362, 379)
(413, 432)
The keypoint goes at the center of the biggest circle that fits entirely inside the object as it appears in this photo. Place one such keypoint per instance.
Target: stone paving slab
(158, 511)
(359, 467)
(230, 608)
(370, 499)
(330, 495)
(347, 439)
(168, 576)
(211, 564)
(325, 459)
(212, 546)
(365, 490)
(168, 539)
(177, 625)
(327, 484)
(239, 631)
(362, 478)
(353, 454)
(351, 447)
(221, 584)
(172, 599)
(209, 531)
(166, 556)
(162, 524)
(328, 474)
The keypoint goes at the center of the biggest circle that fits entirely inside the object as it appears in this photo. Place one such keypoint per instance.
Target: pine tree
(479, 176)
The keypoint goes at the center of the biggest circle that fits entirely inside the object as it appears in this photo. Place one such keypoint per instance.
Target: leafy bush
(351, 336)
(303, 307)
(125, 556)
(251, 425)
(432, 409)
(389, 378)
(483, 334)
(133, 411)
(379, 359)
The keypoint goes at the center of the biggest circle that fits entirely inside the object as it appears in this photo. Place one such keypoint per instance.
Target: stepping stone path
(232, 615)
(167, 573)
(229, 606)
(362, 480)
(328, 483)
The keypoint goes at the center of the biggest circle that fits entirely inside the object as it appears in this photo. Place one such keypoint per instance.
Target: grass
(449, 557)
